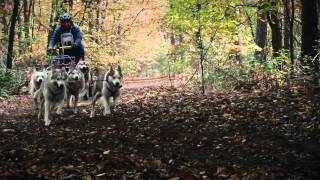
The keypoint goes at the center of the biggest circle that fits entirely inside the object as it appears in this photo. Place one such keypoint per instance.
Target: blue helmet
(65, 17)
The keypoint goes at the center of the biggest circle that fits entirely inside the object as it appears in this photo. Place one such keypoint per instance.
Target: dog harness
(112, 92)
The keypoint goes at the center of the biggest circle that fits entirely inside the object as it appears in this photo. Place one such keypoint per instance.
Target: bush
(10, 82)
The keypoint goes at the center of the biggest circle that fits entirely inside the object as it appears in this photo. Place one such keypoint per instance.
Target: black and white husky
(52, 93)
(75, 85)
(107, 86)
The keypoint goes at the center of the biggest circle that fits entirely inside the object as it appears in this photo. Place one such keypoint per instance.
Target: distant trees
(291, 27)
(282, 19)
(203, 33)
(310, 33)
(14, 17)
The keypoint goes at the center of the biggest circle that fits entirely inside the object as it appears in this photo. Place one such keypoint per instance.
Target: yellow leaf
(156, 163)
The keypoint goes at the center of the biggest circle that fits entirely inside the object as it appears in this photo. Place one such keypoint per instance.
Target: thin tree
(291, 33)
(286, 24)
(200, 45)
(12, 32)
(310, 34)
(274, 23)
(27, 5)
(261, 32)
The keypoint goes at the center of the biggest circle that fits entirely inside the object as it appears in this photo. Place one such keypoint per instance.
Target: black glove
(51, 50)
(74, 45)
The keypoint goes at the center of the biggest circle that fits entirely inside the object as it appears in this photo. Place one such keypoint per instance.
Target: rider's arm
(77, 35)
(54, 37)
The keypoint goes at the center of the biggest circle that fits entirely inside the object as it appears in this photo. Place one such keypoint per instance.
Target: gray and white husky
(52, 93)
(107, 86)
(75, 85)
(36, 80)
(84, 68)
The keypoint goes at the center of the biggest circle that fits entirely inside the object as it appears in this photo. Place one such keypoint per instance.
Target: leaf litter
(165, 133)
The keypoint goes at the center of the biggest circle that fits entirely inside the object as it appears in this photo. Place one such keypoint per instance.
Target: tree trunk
(19, 30)
(310, 33)
(27, 4)
(12, 32)
(274, 23)
(291, 33)
(200, 45)
(286, 25)
(261, 33)
(98, 14)
(33, 16)
(54, 17)
(3, 21)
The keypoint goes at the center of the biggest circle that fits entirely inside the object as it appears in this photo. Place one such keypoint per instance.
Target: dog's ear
(72, 65)
(64, 69)
(48, 68)
(119, 70)
(111, 71)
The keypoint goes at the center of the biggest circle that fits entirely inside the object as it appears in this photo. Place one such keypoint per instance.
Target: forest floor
(160, 132)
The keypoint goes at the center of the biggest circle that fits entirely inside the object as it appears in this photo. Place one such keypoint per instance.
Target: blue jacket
(75, 30)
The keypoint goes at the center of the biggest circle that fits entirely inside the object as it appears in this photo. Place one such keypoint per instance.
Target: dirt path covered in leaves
(159, 132)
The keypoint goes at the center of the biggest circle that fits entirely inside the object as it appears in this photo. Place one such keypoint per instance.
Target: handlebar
(65, 47)
(62, 47)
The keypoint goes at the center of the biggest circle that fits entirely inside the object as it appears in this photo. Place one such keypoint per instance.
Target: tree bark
(54, 17)
(291, 33)
(200, 45)
(3, 21)
(274, 23)
(261, 32)
(12, 32)
(310, 33)
(286, 25)
(27, 4)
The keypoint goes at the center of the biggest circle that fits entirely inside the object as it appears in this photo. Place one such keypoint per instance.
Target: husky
(36, 80)
(75, 85)
(84, 68)
(52, 93)
(106, 86)
(37, 77)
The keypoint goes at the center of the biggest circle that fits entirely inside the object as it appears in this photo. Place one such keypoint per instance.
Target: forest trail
(159, 132)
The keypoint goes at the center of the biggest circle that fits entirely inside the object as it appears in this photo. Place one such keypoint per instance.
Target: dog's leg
(46, 113)
(40, 109)
(68, 100)
(106, 105)
(76, 99)
(36, 104)
(59, 107)
(116, 99)
(94, 99)
(85, 96)
(40, 102)
(35, 99)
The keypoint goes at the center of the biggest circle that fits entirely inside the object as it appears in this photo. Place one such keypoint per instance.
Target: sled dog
(84, 68)
(107, 85)
(37, 77)
(52, 93)
(75, 85)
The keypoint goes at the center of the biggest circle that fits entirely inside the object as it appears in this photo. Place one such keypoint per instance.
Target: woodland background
(218, 44)
(247, 106)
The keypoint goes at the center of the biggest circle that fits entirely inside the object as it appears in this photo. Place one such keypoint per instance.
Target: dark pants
(77, 52)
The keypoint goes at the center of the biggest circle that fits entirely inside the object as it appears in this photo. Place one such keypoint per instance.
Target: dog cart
(59, 60)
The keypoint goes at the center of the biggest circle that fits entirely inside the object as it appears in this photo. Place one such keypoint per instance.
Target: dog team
(51, 87)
